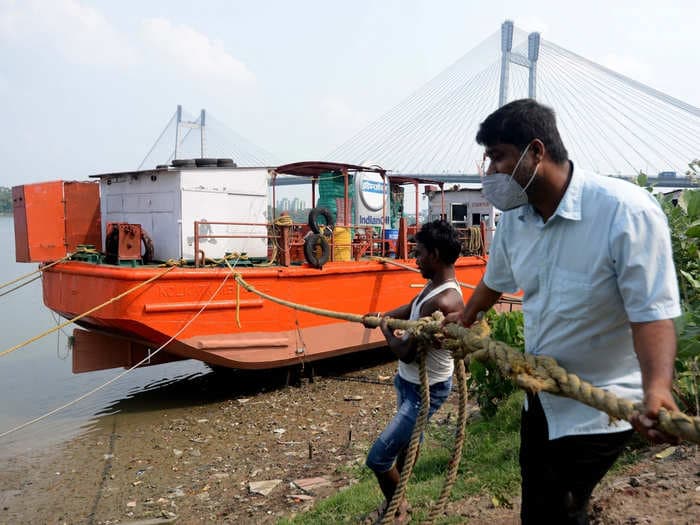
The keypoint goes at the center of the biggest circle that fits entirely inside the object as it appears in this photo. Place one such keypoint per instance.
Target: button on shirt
(603, 260)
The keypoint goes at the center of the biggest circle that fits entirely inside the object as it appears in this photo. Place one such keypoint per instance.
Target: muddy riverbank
(198, 455)
(197, 460)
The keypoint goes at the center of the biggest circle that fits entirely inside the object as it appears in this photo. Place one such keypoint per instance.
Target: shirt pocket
(571, 294)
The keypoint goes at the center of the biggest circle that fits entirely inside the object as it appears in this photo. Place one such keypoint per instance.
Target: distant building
(667, 175)
(291, 205)
(464, 207)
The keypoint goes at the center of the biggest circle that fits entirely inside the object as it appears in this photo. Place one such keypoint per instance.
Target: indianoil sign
(372, 190)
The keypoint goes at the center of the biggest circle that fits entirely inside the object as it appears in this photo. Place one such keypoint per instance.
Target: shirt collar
(570, 204)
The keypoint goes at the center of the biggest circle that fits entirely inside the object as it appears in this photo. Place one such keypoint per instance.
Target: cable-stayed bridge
(186, 136)
(610, 124)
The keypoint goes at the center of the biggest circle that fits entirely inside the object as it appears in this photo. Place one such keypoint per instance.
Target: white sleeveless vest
(439, 361)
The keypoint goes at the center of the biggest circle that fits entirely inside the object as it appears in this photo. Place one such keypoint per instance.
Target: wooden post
(285, 236)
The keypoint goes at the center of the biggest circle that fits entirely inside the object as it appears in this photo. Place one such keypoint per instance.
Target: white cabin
(167, 201)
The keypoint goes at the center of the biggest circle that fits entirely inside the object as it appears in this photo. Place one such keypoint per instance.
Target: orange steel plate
(269, 335)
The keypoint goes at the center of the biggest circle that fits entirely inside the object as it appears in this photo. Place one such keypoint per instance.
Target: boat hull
(232, 327)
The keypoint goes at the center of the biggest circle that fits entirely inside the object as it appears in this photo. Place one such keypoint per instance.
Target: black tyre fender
(183, 163)
(313, 219)
(310, 250)
(200, 163)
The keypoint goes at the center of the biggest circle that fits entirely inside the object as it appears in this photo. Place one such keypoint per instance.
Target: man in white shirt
(593, 257)
(437, 249)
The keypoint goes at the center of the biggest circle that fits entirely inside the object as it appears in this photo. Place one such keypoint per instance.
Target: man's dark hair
(519, 123)
(441, 236)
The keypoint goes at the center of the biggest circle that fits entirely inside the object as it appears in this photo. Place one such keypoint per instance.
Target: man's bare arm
(481, 300)
(402, 312)
(448, 302)
(655, 345)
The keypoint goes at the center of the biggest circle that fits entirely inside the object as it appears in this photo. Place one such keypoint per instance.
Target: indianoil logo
(372, 191)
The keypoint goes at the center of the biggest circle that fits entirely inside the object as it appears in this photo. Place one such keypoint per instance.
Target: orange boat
(184, 226)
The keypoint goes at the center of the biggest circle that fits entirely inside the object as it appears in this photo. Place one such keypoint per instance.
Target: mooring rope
(38, 270)
(91, 310)
(122, 374)
(453, 464)
(25, 283)
(414, 443)
(530, 372)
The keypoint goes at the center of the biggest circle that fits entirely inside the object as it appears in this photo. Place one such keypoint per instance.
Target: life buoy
(313, 219)
(316, 250)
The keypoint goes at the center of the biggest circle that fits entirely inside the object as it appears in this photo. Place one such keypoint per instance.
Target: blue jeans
(397, 434)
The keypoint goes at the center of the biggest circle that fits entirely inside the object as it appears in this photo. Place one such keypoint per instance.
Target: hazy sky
(88, 86)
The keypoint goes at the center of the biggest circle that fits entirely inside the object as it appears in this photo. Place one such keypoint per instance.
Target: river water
(37, 378)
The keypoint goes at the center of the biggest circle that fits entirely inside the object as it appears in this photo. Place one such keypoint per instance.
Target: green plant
(683, 215)
(489, 465)
(486, 384)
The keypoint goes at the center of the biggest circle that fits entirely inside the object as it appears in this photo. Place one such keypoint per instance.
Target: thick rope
(25, 283)
(38, 270)
(473, 241)
(91, 310)
(453, 464)
(284, 220)
(414, 443)
(542, 373)
(530, 372)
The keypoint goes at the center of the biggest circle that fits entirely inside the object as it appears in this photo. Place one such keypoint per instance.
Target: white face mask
(501, 189)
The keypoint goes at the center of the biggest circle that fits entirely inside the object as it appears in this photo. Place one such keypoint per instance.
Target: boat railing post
(416, 187)
(346, 196)
(442, 202)
(196, 244)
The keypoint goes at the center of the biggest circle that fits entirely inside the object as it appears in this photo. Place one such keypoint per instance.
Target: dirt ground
(191, 457)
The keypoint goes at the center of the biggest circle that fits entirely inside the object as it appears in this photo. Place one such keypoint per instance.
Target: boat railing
(200, 256)
(285, 241)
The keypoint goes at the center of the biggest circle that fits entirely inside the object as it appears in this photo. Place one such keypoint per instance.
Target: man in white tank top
(437, 249)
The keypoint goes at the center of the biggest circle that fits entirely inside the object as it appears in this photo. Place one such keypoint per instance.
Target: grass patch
(489, 465)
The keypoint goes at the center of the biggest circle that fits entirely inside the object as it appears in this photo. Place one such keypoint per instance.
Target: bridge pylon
(508, 56)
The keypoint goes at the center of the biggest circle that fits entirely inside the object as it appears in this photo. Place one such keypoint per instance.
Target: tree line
(5, 200)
